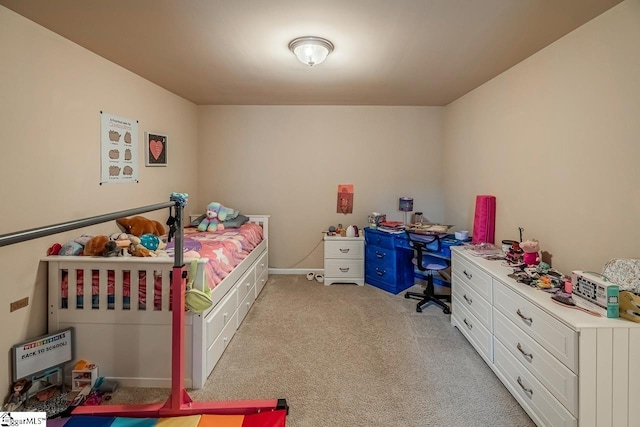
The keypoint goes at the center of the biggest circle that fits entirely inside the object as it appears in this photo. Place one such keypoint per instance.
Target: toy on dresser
(531, 249)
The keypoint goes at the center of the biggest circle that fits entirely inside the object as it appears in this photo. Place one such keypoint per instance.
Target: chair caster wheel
(407, 296)
(446, 311)
(418, 309)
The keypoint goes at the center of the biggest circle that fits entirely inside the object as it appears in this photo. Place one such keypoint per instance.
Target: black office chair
(431, 265)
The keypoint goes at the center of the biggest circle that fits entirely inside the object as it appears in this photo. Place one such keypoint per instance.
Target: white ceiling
(387, 52)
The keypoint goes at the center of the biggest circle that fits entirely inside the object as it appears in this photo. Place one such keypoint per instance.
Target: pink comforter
(224, 249)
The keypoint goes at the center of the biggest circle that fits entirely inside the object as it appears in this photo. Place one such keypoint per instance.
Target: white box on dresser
(564, 367)
(343, 260)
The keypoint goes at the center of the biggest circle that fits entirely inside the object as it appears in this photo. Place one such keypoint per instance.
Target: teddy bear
(531, 249)
(216, 214)
(139, 225)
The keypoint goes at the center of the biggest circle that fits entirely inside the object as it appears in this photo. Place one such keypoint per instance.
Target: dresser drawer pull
(526, 319)
(344, 269)
(469, 325)
(380, 254)
(527, 355)
(467, 299)
(469, 275)
(380, 272)
(526, 390)
(344, 251)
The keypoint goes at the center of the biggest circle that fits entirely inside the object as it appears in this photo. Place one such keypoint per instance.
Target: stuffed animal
(531, 249)
(139, 225)
(216, 213)
(96, 246)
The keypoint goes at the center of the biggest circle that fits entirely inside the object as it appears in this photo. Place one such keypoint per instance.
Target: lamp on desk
(405, 204)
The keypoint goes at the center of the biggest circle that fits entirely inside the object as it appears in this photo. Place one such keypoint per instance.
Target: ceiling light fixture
(311, 50)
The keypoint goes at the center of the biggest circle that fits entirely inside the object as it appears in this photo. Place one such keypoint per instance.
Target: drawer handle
(526, 390)
(344, 269)
(467, 299)
(344, 251)
(380, 272)
(469, 275)
(380, 255)
(469, 325)
(522, 316)
(527, 355)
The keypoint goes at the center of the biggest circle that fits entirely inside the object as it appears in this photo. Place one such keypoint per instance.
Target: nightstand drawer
(343, 268)
(347, 249)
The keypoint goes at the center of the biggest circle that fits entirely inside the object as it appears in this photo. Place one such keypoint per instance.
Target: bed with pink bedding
(128, 338)
(221, 252)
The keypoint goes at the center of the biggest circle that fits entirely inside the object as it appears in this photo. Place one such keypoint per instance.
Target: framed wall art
(155, 149)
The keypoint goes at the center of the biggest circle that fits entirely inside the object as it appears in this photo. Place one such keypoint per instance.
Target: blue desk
(388, 258)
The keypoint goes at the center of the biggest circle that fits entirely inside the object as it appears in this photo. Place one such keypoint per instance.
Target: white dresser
(343, 260)
(564, 367)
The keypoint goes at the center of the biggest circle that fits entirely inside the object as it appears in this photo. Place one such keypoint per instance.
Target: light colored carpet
(346, 355)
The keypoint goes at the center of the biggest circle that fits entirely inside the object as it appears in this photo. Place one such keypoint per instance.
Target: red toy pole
(179, 402)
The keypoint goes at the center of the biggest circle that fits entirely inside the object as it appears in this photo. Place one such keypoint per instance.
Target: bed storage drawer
(245, 305)
(261, 281)
(222, 341)
(245, 284)
(262, 264)
(220, 317)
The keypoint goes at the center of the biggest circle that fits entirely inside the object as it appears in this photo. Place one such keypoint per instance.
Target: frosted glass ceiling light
(311, 50)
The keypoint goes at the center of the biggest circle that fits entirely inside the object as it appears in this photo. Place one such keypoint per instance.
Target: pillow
(235, 222)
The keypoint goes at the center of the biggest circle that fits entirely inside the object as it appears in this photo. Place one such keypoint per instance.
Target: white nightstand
(343, 260)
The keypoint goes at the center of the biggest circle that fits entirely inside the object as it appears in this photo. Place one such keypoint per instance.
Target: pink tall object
(484, 223)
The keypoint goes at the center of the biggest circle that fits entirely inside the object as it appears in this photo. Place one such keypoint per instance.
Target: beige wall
(557, 140)
(51, 93)
(288, 162)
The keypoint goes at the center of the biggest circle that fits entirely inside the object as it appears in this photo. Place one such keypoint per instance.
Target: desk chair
(431, 264)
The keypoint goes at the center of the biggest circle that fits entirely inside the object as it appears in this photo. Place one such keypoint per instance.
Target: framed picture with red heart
(156, 149)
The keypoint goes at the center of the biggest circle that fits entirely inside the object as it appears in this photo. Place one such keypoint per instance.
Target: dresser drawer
(479, 280)
(380, 259)
(472, 300)
(550, 333)
(472, 328)
(346, 268)
(556, 377)
(525, 386)
(346, 249)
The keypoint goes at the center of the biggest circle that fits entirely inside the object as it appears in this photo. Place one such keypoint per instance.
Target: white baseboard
(301, 271)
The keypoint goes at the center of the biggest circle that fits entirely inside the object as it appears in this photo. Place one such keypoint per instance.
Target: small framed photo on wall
(155, 149)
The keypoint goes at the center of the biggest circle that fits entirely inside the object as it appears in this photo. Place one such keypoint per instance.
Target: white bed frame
(133, 346)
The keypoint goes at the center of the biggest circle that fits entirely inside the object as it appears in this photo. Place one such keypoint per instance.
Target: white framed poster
(119, 149)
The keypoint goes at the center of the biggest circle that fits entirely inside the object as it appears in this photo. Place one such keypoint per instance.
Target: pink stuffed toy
(531, 250)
